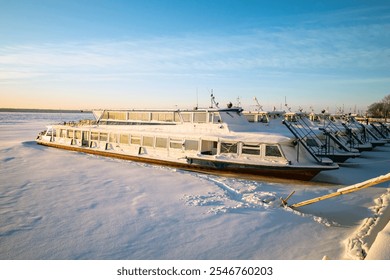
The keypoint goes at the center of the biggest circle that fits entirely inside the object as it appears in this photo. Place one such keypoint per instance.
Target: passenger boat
(347, 136)
(209, 140)
(370, 133)
(321, 141)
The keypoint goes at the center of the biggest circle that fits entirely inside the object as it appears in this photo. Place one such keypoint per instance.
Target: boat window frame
(251, 147)
(215, 117)
(121, 140)
(51, 132)
(189, 145)
(208, 147)
(62, 133)
(103, 136)
(273, 156)
(158, 141)
(186, 117)
(251, 117)
(113, 137)
(232, 143)
(162, 116)
(95, 136)
(139, 116)
(135, 139)
(200, 117)
(176, 143)
(117, 115)
(78, 134)
(149, 141)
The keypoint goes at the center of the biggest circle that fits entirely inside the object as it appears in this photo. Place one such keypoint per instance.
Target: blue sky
(125, 54)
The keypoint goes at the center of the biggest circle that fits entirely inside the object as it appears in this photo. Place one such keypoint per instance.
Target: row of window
(247, 149)
(262, 118)
(173, 143)
(187, 117)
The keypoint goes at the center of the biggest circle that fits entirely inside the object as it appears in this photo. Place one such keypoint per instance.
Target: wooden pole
(284, 201)
(346, 190)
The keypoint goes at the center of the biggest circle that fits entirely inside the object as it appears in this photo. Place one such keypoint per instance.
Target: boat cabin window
(200, 117)
(215, 118)
(77, 134)
(209, 147)
(272, 151)
(135, 140)
(228, 148)
(103, 137)
(161, 142)
(117, 115)
(186, 117)
(85, 138)
(248, 149)
(175, 143)
(113, 137)
(314, 118)
(124, 139)
(147, 141)
(70, 134)
(94, 135)
(105, 115)
(139, 116)
(250, 117)
(163, 116)
(62, 133)
(263, 119)
(291, 118)
(51, 132)
(191, 145)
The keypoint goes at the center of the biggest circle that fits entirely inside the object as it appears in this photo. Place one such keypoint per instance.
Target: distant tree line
(380, 109)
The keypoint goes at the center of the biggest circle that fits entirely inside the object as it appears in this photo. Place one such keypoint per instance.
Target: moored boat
(317, 139)
(210, 140)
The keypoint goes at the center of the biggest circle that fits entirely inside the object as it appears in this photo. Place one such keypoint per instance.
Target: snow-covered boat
(319, 140)
(210, 140)
(370, 133)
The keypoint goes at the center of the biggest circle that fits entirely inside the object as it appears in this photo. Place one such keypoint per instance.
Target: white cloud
(354, 50)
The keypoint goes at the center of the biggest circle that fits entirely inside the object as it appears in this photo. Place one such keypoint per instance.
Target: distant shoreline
(18, 110)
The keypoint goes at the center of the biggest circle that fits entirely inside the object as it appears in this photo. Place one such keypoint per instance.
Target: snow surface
(57, 204)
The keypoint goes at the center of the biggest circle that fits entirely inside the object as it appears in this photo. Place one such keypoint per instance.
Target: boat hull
(342, 157)
(208, 166)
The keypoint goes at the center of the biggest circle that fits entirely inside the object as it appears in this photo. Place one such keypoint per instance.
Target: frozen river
(56, 204)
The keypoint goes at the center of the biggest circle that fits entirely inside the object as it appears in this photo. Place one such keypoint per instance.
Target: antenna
(197, 99)
(238, 102)
(213, 100)
(259, 107)
(285, 104)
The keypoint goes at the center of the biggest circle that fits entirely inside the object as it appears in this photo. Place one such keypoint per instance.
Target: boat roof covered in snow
(232, 118)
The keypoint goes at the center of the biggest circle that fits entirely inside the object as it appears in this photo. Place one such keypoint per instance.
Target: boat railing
(369, 133)
(380, 131)
(359, 132)
(384, 128)
(307, 138)
(346, 139)
(170, 117)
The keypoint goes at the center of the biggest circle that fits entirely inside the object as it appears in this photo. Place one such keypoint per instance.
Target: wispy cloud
(361, 49)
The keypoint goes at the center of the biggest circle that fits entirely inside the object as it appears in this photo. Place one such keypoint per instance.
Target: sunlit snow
(57, 204)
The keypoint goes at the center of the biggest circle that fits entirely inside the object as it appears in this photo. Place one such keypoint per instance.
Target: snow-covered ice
(56, 204)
